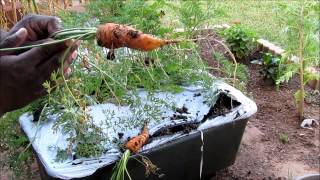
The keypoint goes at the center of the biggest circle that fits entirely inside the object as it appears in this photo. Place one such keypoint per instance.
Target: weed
(272, 67)
(284, 138)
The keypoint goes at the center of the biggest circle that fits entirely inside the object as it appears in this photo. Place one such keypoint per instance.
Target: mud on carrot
(114, 36)
(136, 143)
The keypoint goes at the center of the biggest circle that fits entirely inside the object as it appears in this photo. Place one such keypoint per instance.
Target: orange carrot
(114, 36)
(135, 143)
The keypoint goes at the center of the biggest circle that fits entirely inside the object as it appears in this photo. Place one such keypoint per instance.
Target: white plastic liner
(45, 140)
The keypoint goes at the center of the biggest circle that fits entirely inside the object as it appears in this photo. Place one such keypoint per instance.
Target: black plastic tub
(181, 159)
(211, 145)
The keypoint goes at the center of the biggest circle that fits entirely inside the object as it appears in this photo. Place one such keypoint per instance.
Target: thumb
(14, 40)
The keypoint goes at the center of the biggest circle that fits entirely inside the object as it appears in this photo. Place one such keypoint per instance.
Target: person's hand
(39, 27)
(22, 74)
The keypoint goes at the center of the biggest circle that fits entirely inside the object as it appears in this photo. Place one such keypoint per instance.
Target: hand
(38, 27)
(22, 74)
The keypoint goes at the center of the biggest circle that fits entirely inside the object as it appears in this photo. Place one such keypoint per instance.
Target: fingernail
(74, 55)
(69, 42)
(22, 32)
(68, 72)
(58, 19)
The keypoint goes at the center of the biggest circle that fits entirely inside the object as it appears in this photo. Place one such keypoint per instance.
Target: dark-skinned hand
(22, 73)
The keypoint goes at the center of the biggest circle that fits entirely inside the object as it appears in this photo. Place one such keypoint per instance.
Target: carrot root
(114, 36)
(136, 143)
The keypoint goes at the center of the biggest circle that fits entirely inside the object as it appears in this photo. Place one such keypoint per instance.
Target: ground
(262, 155)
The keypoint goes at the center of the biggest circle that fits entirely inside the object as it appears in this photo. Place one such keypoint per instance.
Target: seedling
(284, 138)
(272, 67)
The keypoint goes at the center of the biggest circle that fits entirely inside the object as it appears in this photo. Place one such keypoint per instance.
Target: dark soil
(182, 110)
(223, 106)
(262, 155)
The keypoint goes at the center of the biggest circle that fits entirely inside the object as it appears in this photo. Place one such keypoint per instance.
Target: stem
(121, 167)
(38, 45)
(301, 54)
(14, 11)
(111, 91)
(64, 79)
(233, 58)
(62, 72)
(35, 134)
(35, 6)
(109, 76)
(61, 36)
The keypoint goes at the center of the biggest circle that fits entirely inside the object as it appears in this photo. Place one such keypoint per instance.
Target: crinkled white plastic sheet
(45, 141)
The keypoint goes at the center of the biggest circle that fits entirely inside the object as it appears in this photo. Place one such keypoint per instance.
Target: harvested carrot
(110, 35)
(135, 143)
(114, 36)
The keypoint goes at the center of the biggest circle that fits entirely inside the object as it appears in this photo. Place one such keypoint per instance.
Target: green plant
(227, 68)
(192, 15)
(241, 40)
(272, 67)
(120, 169)
(284, 138)
(14, 145)
(144, 15)
(302, 23)
(111, 82)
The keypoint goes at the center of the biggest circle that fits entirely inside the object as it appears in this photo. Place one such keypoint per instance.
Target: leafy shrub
(272, 67)
(240, 40)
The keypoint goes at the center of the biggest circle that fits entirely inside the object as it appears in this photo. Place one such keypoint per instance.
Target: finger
(39, 55)
(47, 68)
(69, 60)
(29, 43)
(46, 25)
(14, 40)
(67, 73)
(53, 63)
(39, 26)
(54, 25)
